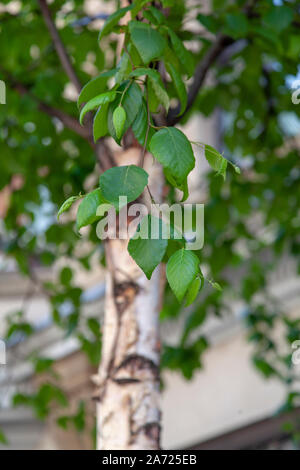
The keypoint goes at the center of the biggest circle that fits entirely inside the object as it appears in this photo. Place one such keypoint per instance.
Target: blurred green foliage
(252, 220)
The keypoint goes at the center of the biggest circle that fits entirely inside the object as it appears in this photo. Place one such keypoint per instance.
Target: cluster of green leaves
(126, 104)
(42, 399)
(129, 96)
(123, 105)
(77, 420)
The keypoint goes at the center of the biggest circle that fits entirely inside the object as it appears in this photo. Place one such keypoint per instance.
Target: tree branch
(104, 155)
(59, 46)
(68, 121)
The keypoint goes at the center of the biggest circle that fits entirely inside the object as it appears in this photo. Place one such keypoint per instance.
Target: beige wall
(228, 393)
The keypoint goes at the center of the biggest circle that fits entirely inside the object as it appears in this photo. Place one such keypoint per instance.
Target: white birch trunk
(128, 411)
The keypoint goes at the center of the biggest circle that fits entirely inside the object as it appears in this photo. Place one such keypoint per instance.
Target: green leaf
(112, 21)
(3, 439)
(23, 327)
(216, 160)
(294, 46)
(100, 122)
(266, 34)
(209, 22)
(237, 25)
(80, 418)
(171, 58)
(67, 204)
(148, 15)
(184, 56)
(279, 17)
(148, 252)
(91, 348)
(123, 69)
(138, 72)
(128, 181)
(94, 326)
(66, 275)
(182, 186)
(154, 16)
(265, 368)
(42, 364)
(132, 102)
(63, 422)
(137, 7)
(139, 127)
(149, 42)
(156, 82)
(119, 118)
(179, 85)
(86, 213)
(158, 15)
(95, 102)
(182, 269)
(173, 150)
(185, 189)
(153, 101)
(95, 86)
(160, 93)
(193, 291)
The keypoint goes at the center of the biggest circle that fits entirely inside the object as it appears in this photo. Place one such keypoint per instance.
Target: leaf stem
(151, 197)
(158, 127)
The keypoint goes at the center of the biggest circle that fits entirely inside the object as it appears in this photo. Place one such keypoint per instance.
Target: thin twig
(68, 120)
(151, 197)
(59, 46)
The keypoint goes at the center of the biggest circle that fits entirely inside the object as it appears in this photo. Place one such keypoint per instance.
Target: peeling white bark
(128, 410)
